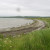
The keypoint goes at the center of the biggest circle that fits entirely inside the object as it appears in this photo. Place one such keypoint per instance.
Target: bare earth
(23, 30)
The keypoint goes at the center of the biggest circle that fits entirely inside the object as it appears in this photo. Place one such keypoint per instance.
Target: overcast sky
(27, 7)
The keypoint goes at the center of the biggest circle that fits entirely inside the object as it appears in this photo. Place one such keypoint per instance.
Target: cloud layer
(27, 7)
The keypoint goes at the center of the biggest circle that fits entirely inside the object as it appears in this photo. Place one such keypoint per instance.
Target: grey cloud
(39, 7)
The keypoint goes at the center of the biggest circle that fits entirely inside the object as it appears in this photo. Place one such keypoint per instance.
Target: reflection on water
(13, 22)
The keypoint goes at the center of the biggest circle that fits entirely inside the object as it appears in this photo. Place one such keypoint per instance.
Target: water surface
(13, 22)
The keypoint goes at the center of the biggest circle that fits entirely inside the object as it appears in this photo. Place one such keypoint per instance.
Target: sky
(27, 7)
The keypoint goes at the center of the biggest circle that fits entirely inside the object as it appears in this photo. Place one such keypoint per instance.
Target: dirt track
(36, 26)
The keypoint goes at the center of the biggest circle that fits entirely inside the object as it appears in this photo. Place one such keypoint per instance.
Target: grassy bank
(36, 40)
(46, 20)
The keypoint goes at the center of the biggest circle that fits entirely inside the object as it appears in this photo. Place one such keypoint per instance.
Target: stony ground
(35, 26)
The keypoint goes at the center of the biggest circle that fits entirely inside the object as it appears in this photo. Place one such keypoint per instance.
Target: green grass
(35, 40)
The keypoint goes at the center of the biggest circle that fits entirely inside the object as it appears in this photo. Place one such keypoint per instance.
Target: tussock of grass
(37, 40)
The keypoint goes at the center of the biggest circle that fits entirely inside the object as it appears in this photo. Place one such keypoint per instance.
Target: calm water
(13, 22)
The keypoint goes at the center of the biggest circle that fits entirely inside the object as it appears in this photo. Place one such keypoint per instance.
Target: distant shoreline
(24, 17)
